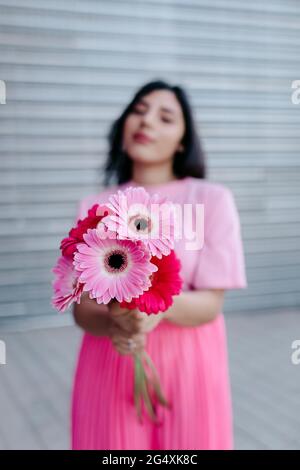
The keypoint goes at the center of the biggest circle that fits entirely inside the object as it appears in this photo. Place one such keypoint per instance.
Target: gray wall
(70, 67)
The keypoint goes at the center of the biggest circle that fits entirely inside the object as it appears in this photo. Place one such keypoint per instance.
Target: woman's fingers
(128, 321)
(121, 343)
(136, 340)
(115, 309)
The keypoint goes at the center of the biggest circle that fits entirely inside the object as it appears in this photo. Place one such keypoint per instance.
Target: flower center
(116, 261)
(140, 223)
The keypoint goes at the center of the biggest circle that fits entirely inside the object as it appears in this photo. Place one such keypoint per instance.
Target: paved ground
(35, 384)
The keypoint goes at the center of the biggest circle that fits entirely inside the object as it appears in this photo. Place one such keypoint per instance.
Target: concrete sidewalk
(35, 384)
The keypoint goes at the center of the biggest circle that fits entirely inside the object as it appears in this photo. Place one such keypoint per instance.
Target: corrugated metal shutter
(70, 67)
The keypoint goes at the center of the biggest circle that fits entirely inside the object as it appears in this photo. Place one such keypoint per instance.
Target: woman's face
(159, 117)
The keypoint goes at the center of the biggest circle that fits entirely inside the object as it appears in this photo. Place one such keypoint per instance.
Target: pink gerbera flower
(67, 288)
(111, 269)
(166, 282)
(136, 215)
(94, 217)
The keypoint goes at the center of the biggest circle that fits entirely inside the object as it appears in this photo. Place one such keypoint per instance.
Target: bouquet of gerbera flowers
(124, 251)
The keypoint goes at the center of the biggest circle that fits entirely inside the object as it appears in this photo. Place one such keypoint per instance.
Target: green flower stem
(155, 382)
(142, 385)
(138, 385)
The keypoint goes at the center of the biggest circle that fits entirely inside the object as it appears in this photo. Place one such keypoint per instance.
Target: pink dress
(192, 362)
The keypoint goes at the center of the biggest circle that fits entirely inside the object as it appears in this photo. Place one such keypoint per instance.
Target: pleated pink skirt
(192, 364)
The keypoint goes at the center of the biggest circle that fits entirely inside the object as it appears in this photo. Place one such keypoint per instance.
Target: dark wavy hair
(189, 162)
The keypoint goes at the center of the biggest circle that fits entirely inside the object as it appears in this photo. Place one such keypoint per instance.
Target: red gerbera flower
(166, 282)
(68, 244)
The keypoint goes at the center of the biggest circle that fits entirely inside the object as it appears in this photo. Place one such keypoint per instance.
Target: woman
(154, 144)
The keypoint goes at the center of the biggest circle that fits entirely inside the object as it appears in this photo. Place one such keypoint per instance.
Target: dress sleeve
(220, 262)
